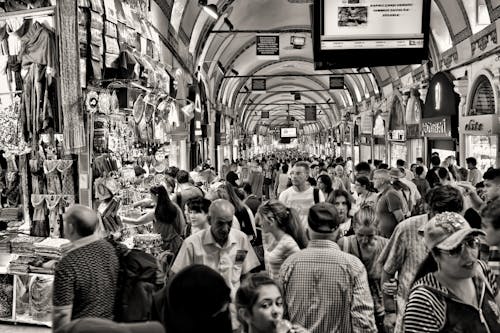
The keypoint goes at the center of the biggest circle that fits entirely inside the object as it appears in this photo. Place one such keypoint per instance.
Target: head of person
(300, 174)
(226, 161)
(435, 161)
(491, 222)
(363, 185)
(383, 166)
(284, 168)
(165, 209)
(419, 172)
(323, 222)
(381, 179)
(331, 172)
(342, 203)
(445, 198)
(364, 228)
(463, 174)
(339, 170)
(324, 183)
(169, 184)
(453, 245)
(220, 217)
(79, 221)
(451, 160)
(363, 169)
(420, 161)
(400, 163)
(492, 184)
(443, 174)
(273, 215)
(182, 177)
(196, 211)
(259, 302)
(232, 178)
(198, 300)
(396, 173)
(471, 162)
(247, 188)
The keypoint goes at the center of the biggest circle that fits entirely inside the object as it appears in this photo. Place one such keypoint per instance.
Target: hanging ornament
(92, 101)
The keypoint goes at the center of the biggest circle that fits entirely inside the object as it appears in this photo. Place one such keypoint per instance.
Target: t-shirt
(388, 202)
(277, 254)
(301, 201)
(86, 278)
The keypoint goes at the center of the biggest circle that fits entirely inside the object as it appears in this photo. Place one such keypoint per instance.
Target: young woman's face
(320, 184)
(196, 218)
(340, 203)
(359, 188)
(263, 222)
(267, 311)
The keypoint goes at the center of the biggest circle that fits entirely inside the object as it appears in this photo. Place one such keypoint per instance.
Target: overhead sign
(259, 85)
(268, 46)
(480, 125)
(336, 82)
(310, 113)
(264, 114)
(439, 127)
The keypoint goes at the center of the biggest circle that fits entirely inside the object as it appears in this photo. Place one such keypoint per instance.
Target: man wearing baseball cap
(325, 289)
(453, 290)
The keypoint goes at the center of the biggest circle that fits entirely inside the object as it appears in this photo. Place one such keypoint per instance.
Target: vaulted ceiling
(451, 22)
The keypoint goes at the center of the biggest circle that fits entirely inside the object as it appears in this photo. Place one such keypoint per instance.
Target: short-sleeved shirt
(233, 260)
(277, 254)
(301, 201)
(388, 202)
(86, 278)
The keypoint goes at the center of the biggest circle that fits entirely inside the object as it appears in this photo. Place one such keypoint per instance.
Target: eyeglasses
(471, 243)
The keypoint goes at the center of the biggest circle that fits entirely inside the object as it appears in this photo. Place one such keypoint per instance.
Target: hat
(396, 173)
(323, 218)
(447, 230)
(95, 325)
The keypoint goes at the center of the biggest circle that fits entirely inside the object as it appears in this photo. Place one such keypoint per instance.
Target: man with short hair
(389, 207)
(406, 251)
(407, 172)
(363, 169)
(325, 289)
(186, 191)
(420, 162)
(432, 176)
(420, 181)
(85, 280)
(475, 175)
(301, 195)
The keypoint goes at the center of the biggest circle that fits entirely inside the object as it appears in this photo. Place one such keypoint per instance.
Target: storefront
(396, 134)
(480, 126)
(440, 117)
(356, 141)
(414, 139)
(365, 137)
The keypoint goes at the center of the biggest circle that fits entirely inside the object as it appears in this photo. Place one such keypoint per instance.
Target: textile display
(6, 295)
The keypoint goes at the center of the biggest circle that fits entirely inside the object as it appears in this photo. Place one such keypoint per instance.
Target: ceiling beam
(294, 75)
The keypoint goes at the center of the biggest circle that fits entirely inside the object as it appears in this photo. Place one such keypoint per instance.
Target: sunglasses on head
(471, 243)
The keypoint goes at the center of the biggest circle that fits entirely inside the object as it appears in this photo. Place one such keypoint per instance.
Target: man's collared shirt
(233, 260)
(326, 290)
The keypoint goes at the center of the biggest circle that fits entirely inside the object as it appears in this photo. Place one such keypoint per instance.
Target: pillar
(461, 88)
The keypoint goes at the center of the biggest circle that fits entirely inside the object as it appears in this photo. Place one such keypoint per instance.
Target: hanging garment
(53, 206)
(65, 167)
(53, 181)
(173, 115)
(39, 224)
(148, 117)
(41, 298)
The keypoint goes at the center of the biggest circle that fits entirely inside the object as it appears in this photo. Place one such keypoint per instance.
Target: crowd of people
(292, 243)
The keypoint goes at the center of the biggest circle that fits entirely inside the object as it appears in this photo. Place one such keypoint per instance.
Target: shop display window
(483, 101)
(483, 149)
(398, 151)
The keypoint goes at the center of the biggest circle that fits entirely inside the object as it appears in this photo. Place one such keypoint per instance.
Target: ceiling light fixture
(212, 11)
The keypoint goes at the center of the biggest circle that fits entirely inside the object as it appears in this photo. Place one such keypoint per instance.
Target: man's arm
(61, 315)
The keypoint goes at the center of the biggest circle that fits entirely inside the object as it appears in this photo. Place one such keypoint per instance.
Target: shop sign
(436, 127)
(484, 124)
(268, 47)
(396, 135)
(413, 131)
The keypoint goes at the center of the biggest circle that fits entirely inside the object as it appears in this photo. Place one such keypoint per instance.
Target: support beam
(270, 31)
(294, 75)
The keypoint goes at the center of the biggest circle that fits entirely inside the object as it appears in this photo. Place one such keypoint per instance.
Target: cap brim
(458, 237)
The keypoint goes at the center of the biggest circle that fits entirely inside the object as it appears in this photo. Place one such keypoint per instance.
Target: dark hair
(284, 168)
(312, 181)
(492, 174)
(198, 205)
(286, 218)
(172, 171)
(247, 187)
(383, 166)
(443, 173)
(325, 179)
(420, 159)
(463, 173)
(248, 292)
(170, 182)
(182, 177)
(471, 160)
(234, 198)
(435, 160)
(399, 185)
(82, 227)
(166, 211)
(419, 170)
(400, 163)
(429, 265)
(492, 211)
(363, 167)
(364, 181)
(445, 199)
(342, 193)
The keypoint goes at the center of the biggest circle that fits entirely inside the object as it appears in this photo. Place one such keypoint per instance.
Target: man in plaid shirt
(326, 290)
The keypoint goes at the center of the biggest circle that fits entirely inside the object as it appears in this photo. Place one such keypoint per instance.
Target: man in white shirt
(301, 195)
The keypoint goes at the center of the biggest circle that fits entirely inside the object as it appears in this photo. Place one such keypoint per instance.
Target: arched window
(483, 98)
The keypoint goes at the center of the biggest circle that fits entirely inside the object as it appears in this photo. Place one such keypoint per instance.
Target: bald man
(85, 282)
(222, 248)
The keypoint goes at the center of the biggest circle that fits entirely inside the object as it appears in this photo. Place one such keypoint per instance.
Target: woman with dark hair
(196, 299)
(167, 217)
(453, 291)
(367, 194)
(260, 306)
(242, 212)
(325, 185)
(342, 201)
(289, 237)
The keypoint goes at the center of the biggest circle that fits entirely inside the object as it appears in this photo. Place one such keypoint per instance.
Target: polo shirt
(234, 259)
(86, 279)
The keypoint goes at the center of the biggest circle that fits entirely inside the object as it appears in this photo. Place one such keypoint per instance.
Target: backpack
(137, 281)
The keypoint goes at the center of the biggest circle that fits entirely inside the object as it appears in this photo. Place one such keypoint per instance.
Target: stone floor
(12, 328)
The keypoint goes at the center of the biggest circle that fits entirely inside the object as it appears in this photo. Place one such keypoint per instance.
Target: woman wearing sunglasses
(453, 291)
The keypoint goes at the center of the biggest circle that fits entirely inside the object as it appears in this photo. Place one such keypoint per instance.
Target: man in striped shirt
(326, 290)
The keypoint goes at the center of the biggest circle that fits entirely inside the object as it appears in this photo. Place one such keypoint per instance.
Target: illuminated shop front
(396, 135)
(414, 139)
